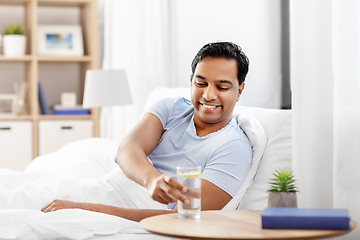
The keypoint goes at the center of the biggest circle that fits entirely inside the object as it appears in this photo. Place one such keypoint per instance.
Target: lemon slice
(190, 174)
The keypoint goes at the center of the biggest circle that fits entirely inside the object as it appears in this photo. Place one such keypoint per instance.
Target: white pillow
(277, 154)
(258, 140)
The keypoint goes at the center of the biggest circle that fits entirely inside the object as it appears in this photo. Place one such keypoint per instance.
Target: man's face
(214, 91)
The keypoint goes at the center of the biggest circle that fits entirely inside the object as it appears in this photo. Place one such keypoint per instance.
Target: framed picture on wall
(8, 104)
(60, 40)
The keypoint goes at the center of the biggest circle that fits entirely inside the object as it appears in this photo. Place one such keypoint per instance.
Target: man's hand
(166, 189)
(60, 204)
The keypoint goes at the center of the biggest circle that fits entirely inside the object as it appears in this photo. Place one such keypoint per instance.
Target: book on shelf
(64, 110)
(42, 101)
(305, 218)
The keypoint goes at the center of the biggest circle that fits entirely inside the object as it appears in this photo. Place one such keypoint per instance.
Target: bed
(85, 171)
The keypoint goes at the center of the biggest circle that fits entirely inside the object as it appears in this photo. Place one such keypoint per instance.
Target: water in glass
(190, 177)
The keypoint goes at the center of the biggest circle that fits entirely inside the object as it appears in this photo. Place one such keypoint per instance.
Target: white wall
(254, 25)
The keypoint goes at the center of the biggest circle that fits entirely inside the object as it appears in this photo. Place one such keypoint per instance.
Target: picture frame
(8, 104)
(60, 40)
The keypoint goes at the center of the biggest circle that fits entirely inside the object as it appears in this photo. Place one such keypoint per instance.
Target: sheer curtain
(325, 65)
(155, 42)
(135, 39)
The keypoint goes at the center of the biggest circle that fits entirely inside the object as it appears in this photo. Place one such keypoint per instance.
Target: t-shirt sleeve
(162, 109)
(229, 165)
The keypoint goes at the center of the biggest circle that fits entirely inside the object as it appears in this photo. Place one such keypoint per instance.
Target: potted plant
(282, 192)
(14, 41)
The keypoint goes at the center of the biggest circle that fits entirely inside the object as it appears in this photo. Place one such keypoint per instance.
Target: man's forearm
(127, 213)
(133, 161)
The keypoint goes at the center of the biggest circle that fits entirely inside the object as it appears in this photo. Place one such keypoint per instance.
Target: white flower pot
(14, 45)
(282, 199)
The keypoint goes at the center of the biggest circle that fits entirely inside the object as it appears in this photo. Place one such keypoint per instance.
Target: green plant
(283, 181)
(13, 29)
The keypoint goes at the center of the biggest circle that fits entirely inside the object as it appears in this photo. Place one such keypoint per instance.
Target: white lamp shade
(106, 88)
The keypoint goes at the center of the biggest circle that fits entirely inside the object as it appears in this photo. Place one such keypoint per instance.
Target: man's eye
(201, 84)
(223, 88)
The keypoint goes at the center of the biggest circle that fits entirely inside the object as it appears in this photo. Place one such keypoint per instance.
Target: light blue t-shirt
(224, 156)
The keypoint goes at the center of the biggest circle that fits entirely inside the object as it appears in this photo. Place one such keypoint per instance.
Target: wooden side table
(228, 225)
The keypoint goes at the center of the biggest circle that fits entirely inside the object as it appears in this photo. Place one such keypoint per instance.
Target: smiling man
(179, 132)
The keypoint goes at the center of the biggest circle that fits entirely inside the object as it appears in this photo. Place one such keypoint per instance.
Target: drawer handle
(5, 128)
(66, 128)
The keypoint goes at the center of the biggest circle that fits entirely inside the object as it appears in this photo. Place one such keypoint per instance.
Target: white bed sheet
(80, 171)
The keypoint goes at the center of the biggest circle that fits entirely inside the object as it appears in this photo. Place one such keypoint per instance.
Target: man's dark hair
(227, 50)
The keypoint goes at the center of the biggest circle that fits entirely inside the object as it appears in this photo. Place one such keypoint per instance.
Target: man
(177, 132)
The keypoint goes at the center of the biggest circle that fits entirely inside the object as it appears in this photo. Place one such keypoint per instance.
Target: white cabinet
(53, 134)
(15, 144)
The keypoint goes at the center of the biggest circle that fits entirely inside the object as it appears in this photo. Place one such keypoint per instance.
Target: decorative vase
(282, 199)
(14, 45)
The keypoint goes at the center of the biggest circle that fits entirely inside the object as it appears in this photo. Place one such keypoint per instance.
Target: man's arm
(212, 198)
(127, 213)
(132, 159)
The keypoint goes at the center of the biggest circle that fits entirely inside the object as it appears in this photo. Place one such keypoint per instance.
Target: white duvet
(82, 171)
(85, 171)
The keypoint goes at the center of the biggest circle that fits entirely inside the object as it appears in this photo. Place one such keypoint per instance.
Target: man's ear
(241, 88)
(191, 77)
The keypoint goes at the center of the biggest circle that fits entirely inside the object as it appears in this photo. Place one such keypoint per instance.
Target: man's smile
(209, 107)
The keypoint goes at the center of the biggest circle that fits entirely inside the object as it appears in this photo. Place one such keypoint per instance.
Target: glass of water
(190, 177)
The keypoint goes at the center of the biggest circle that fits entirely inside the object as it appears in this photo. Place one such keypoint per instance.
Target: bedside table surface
(228, 225)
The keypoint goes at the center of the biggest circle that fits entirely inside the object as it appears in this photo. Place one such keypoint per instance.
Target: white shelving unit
(35, 69)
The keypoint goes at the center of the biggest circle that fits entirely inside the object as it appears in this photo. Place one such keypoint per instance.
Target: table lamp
(106, 88)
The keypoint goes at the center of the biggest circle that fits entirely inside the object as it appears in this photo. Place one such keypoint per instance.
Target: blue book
(70, 111)
(42, 101)
(303, 218)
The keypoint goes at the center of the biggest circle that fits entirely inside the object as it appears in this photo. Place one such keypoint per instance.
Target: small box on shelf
(68, 99)
(8, 104)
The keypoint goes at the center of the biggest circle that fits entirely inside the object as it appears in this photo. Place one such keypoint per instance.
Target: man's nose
(209, 93)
